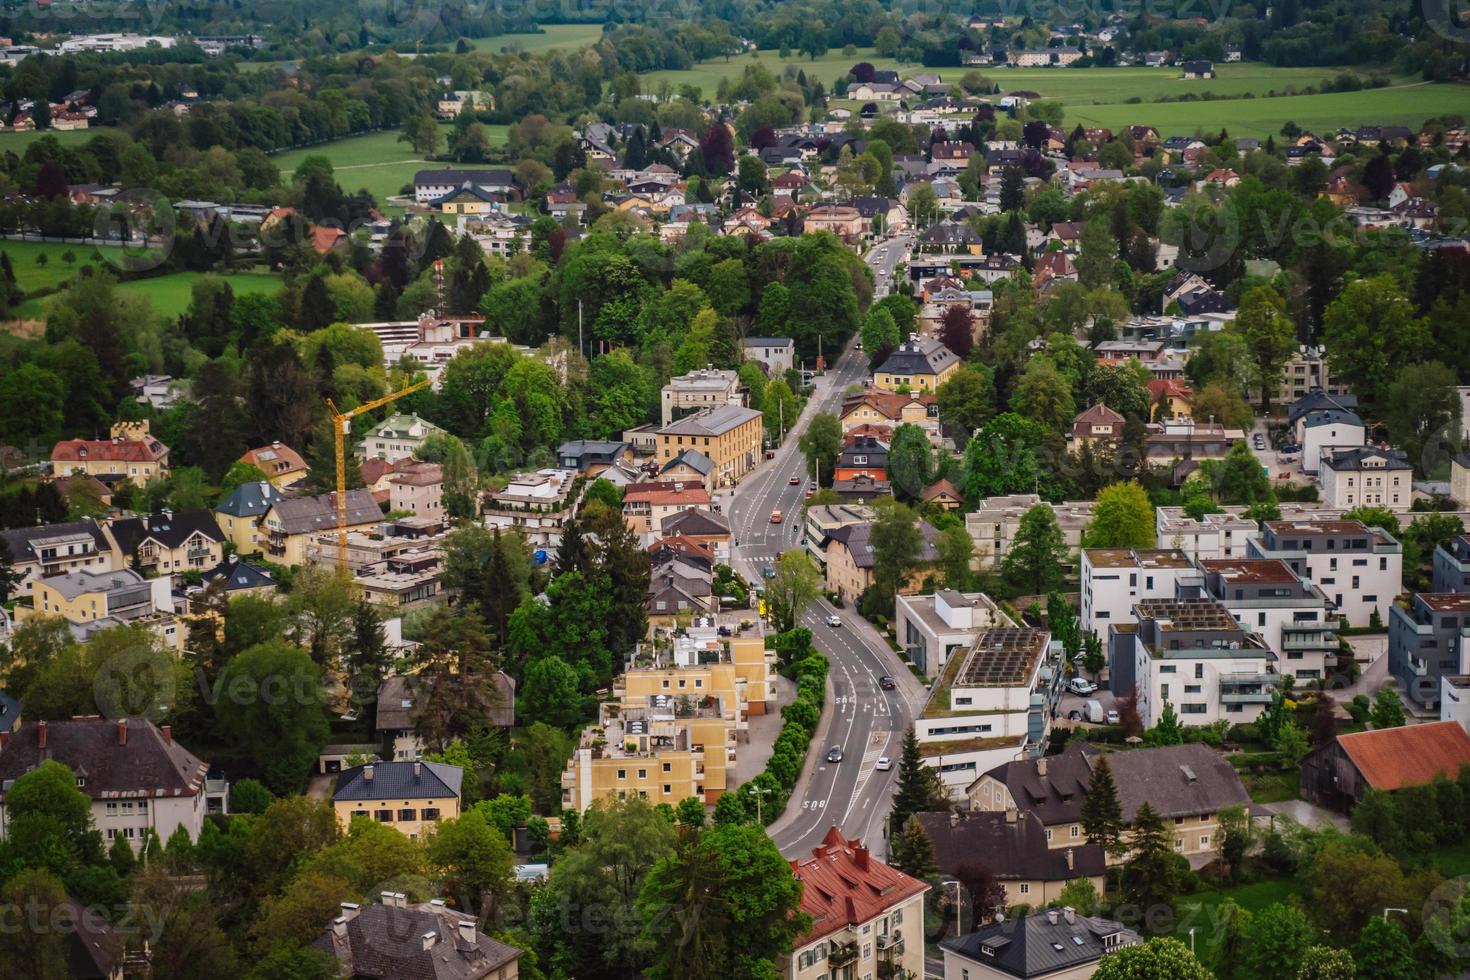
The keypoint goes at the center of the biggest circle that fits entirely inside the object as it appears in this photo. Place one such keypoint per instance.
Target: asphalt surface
(865, 721)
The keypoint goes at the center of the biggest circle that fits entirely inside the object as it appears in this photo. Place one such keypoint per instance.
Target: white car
(834, 620)
(884, 764)
(1081, 686)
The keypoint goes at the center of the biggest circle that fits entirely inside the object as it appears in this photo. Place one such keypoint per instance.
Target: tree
(1326, 963)
(1093, 657)
(272, 711)
(1099, 251)
(956, 551)
(10, 579)
(1269, 336)
(1102, 813)
(779, 405)
(1291, 744)
(923, 205)
(910, 462)
(1044, 396)
(550, 692)
(36, 896)
(913, 851)
(1277, 940)
(738, 905)
(1037, 561)
(1167, 730)
(897, 545)
(820, 444)
(49, 822)
(1382, 951)
(880, 334)
(1239, 479)
(716, 150)
(1235, 837)
(796, 584)
(1005, 457)
(1423, 414)
(967, 399)
(249, 796)
(474, 856)
(1080, 895)
(1349, 885)
(1161, 958)
(1388, 709)
(1122, 518)
(957, 329)
(919, 788)
(31, 401)
(1369, 331)
(1151, 877)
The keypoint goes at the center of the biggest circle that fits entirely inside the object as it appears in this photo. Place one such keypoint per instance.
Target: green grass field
(376, 162)
(554, 36)
(169, 294)
(1086, 86)
(17, 142)
(32, 276)
(830, 67)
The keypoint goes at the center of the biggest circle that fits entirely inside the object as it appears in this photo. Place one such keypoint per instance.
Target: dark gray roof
(390, 944)
(23, 540)
(1330, 416)
(399, 780)
(490, 178)
(1371, 459)
(169, 529)
(1011, 849)
(239, 575)
(1315, 401)
(10, 711)
(875, 452)
(768, 342)
(94, 949)
(249, 500)
(396, 697)
(303, 515)
(144, 764)
(1042, 944)
(696, 522)
(692, 458)
(919, 356)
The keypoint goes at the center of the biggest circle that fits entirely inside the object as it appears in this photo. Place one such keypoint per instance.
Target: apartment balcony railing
(841, 955)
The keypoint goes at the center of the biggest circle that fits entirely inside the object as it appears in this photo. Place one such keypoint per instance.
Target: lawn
(829, 68)
(30, 276)
(553, 36)
(17, 142)
(1201, 911)
(1085, 86)
(169, 294)
(376, 162)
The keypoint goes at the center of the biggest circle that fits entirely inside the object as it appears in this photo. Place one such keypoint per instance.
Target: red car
(794, 481)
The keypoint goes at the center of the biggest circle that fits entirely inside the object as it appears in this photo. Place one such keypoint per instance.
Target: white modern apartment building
(931, 627)
(698, 390)
(1268, 599)
(1192, 654)
(1114, 580)
(994, 523)
(1212, 536)
(992, 704)
(1360, 569)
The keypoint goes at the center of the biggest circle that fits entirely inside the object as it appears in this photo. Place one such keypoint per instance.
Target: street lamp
(1388, 910)
(957, 902)
(759, 791)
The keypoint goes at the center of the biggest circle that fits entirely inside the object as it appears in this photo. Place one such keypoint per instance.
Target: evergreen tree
(1151, 878)
(1102, 813)
(370, 657)
(122, 857)
(919, 789)
(913, 851)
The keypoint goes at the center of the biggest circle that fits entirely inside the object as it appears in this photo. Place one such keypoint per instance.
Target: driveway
(1308, 815)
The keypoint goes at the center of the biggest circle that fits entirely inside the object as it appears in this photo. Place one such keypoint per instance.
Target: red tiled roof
(664, 492)
(940, 488)
(843, 885)
(1158, 388)
(111, 450)
(1392, 758)
(889, 403)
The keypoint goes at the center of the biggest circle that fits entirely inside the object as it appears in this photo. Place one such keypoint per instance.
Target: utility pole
(579, 329)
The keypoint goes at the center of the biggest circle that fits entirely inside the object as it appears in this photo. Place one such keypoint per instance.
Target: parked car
(770, 454)
(1094, 711)
(834, 754)
(1081, 685)
(884, 764)
(1112, 716)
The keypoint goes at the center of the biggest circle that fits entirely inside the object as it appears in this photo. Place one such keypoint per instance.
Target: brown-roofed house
(1339, 775)
(1097, 424)
(942, 494)
(281, 464)
(131, 455)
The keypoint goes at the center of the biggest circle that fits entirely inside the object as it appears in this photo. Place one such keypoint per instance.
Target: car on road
(775, 517)
(884, 763)
(887, 683)
(834, 620)
(770, 454)
(834, 754)
(794, 481)
(768, 571)
(1081, 685)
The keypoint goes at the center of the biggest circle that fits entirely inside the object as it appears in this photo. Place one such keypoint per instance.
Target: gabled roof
(142, 762)
(843, 885)
(423, 942)
(399, 780)
(169, 529)
(239, 575)
(396, 696)
(26, 542)
(145, 450)
(1053, 942)
(449, 175)
(1011, 846)
(1392, 758)
(696, 522)
(249, 500)
(1098, 414)
(692, 458)
(919, 355)
(711, 421)
(303, 515)
(940, 488)
(275, 459)
(1366, 459)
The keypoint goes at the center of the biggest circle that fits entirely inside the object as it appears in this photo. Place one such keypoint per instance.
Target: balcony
(842, 954)
(891, 944)
(1306, 638)
(198, 553)
(1254, 697)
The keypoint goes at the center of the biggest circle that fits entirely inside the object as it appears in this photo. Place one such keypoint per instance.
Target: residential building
(1307, 371)
(705, 527)
(1098, 424)
(412, 797)
(1321, 423)
(57, 549)
(431, 185)
(776, 354)
(137, 777)
(1197, 69)
(1212, 536)
(1452, 565)
(407, 581)
(1187, 784)
(861, 489)
(1454, 699)
(168, 543)
(1193, 654)
(1341, 773)
(863, 456)
(398, 437)
(845, 222)
(240, 515)
(293, 524)
(867, 917)
(1360, 569)
(730, 435)
(1460, 479)
(394, 939)
(131, 455)
(1045, 57)
(282, 465)
(876, 407)
(418, 489)
(680, 584)
(991, 705)
(537, 504)
(942, 494)
(96, 600)
(993, 525)
(1052, 943)
(821, 520)
(1268, 599)
(1427, 641)
(932, 627)
(699, 390)
(850, 560)
(1366, 478)
(919, 364)
(1114, 580)
(395, 717)
(690, 467)
(593, 456)
(647, 505)
(1185, 439)
(1017, 850)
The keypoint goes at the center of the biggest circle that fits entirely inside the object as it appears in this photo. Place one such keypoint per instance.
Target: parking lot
(1073, 702)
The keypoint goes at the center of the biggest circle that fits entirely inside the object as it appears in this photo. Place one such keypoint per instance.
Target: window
(1075, 831)
(668, 767)
(408, 814)
(668, 789)
(383, 816)
(1192, 709)
(1204, 840)
(1025, 888)
(1048, 834)
(429, 813)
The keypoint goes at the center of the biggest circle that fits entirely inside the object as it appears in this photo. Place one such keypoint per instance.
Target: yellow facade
(916, 382)
(407, 816)
(245, 533)
(734, 452)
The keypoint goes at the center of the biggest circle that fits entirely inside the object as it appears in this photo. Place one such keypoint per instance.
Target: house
(704, 527)
(646, 505)
(730, 435)
(699, 390)
(994, 523)
(417, 488)
(1452, 565)
(919, 364)
(1114, 580)
(877, 407)
(992, 703)
(1341, 773)
(1360, 569)
(281, 464)
(1016, 849)
(932, 627)
(1187, 785)
(862, 457)
(867, 917)
(850, 559)
(135, 775)
(942, 494)
(432, 185)
(680, 583)
(1268, 599)
(593, 456)
(398, 437)
(131, 455)
(240, 513)
(1196, 69)
(293, 524)
(396, 939)
(411, 797)
(394, 716)
(1098, 424)
(1053, 943)
(822, 519)
(92, 601)
(1045, 57)
(56, 549)
(237, 578)
(1211, 536)
(776, 355)
(537, 504)
(1169, 399)
(1326, 431)
(1193, 654)
(845, 222)
(169, 543)
(1367, 478)
(1427, 642)
(862, 489)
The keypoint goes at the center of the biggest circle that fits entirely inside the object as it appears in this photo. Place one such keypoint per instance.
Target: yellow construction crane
(340, 424)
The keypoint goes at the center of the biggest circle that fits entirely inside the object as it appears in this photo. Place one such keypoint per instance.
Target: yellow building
(169, 542)
(92, 601)
(281, 464)
(411, 797)
(292, 525)
(729, 435)
(919, 364)
(131, 455)
(241, 516)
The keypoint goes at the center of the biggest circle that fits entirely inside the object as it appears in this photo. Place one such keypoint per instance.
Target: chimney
(954, 818)
(1041, 766)
(4, 740)
(388, 899)
(1069, 913)
(1069, 859)
(429, 939)
(1051, 916)
(400, 900)
(349, 911)
(40, 734)
(367, 773)
(122, 731)
(339, 927)
(860, 858)
(1010, 814)
(418, 770)
(168, 733)
(467, 930)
